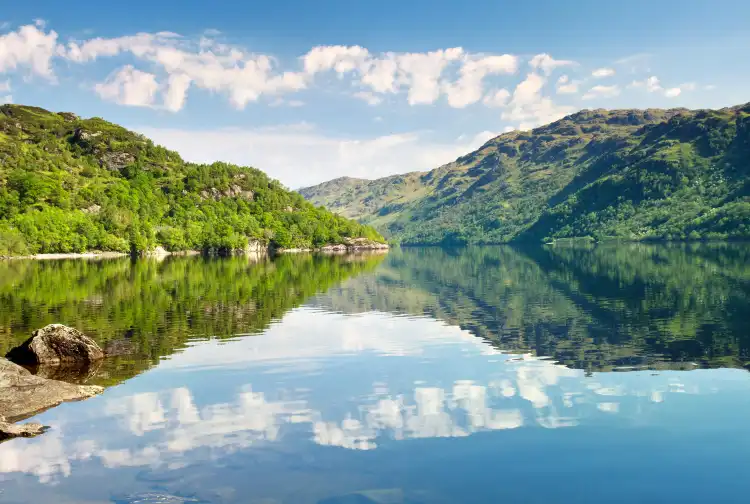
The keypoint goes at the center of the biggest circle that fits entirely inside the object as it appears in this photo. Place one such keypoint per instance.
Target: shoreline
(160, 253)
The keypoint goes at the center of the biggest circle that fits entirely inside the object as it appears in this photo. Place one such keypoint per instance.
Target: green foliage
(159, 306)
(626, 174)
(594, 307)
(73, 185)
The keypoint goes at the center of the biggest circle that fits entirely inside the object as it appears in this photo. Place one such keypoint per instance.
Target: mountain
(628, 174)
(72, 185)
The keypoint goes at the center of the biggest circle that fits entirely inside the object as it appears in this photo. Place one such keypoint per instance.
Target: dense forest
(72, 185)
(626, 174)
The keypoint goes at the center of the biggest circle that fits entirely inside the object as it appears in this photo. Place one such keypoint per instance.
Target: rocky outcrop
(10, 431)
(23, 394)
(357, 244)
(56, 344)
(234, 191)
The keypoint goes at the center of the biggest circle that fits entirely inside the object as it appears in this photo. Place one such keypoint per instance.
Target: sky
(310, 91)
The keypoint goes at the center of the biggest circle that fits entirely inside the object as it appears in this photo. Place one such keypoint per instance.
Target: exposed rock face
(234, 191)
(55, 344)
(68, 116)
(114, 161)
(23, 394)
(355, 244)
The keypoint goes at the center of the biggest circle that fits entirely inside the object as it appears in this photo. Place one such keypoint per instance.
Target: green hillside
(72, 185)
(629, 174)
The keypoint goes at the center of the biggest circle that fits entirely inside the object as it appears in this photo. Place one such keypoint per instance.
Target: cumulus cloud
(129, 86)
(468, 88)
(166, 67)
(28, 47)
(528, 105)
(420, 75)
(497, 98)
(601, 92)
(566, 86)
(601, 73)
(300, 156)
(547, 64)
(211, 66)
(653, 85)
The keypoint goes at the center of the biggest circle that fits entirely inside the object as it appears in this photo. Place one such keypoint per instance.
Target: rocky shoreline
(255, 248)
(23, 394)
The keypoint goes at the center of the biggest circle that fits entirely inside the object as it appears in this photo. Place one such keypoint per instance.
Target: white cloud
(601, 73)
(5, 86)
(566, 86)
(653, 85)
(421, 75)
(211, 66)
(176, 93)
(6, 99)
(497, 98)
(28, 47)
(601, 92)
(530, 107)
(469, 88)
(371, 98)
(301, 156)
(421, 71)
(129, 86)
(547, 64)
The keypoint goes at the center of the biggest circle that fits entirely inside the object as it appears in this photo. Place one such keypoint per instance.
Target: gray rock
(23, 395)
(56, 344)
(114, 161)
(119, 347)
(10, 431)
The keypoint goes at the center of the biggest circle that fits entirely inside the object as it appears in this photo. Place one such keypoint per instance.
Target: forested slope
(72, 185)
(630, 174)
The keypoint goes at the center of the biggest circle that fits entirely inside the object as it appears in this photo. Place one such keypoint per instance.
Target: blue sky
(309, 91)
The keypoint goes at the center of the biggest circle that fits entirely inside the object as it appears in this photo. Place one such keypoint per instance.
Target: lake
(564, 374)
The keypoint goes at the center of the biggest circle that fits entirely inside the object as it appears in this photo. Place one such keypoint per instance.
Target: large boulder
(23, 395)
(56, 344)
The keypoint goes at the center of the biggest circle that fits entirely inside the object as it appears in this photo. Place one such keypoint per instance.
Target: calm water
(480, 375)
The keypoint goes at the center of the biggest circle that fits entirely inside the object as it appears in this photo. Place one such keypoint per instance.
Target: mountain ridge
(626, 173)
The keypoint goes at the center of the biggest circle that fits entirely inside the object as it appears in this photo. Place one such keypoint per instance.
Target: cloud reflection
(177, 426)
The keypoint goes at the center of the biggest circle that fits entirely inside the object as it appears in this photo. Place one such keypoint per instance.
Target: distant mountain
(72, 185)
(630, 174)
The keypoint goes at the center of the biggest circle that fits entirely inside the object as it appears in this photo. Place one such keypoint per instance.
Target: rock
(158, 251)
(119, 347)
(67, 372)
(355, 244)
(10, 431)
(68, 116)
(23, 395)
(54, 344)
(114, 161)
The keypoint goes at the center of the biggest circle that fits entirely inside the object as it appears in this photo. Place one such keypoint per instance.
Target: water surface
(476, 375)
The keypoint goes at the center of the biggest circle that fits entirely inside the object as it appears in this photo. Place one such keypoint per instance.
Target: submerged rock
(56, 344)
(23, 395)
